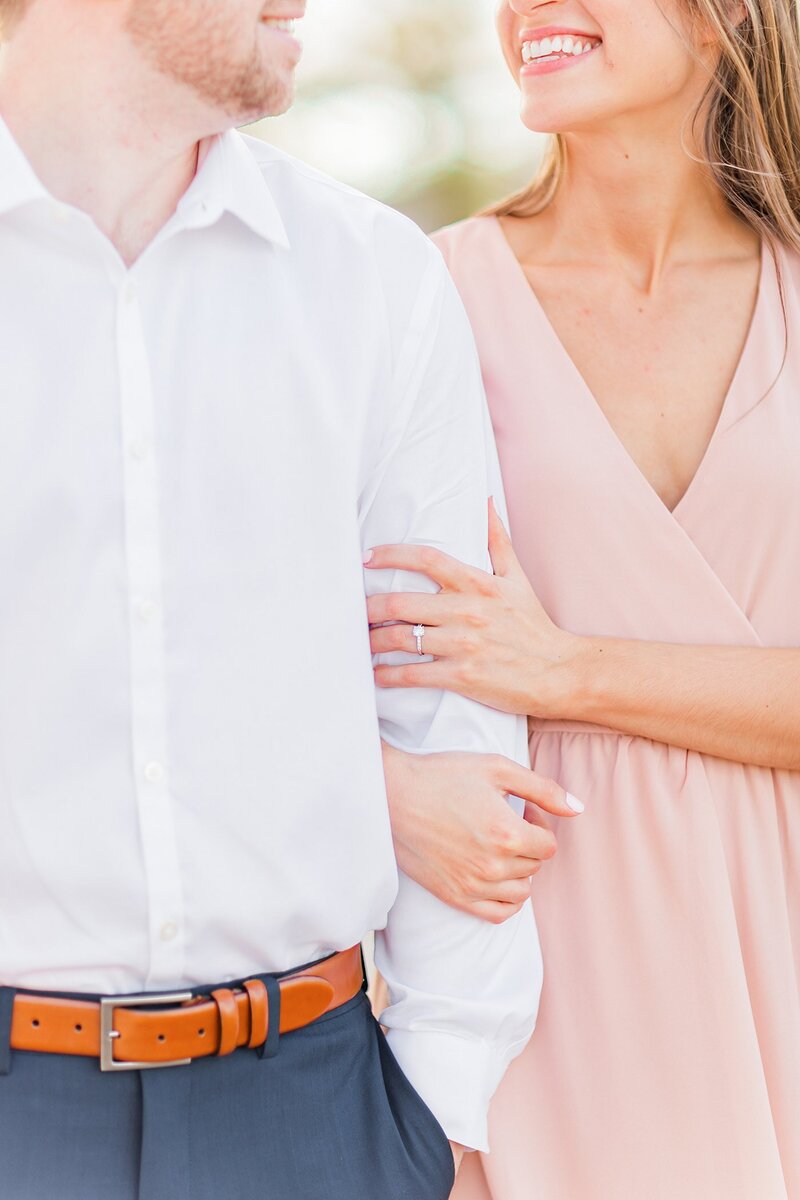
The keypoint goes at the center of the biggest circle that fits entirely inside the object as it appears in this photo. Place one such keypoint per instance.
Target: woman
(638, 315)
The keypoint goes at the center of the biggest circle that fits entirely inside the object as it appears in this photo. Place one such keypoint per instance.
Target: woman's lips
(552, 50)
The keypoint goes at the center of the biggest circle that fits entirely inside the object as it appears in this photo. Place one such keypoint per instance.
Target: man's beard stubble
(190, 41)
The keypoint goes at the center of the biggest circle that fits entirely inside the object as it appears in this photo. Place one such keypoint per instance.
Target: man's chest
(246, 390)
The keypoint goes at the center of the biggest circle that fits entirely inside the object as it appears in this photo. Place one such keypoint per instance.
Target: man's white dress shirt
(194, 455)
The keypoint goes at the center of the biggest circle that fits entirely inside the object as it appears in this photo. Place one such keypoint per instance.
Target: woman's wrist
(569, 689)
(594, 671)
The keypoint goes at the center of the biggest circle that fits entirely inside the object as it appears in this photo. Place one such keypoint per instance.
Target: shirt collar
(229, 179)
(19, 184)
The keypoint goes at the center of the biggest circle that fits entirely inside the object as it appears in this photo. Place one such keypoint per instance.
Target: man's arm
(463, 993)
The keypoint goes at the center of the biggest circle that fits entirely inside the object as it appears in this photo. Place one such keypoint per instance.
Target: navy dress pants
(330, 1117)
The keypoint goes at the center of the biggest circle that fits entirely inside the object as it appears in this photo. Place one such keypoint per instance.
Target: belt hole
(35, 1023)
(78, 1028)
(202, 1032)
(162, 1037)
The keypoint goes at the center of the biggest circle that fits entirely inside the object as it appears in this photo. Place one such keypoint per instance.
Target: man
(225, 378)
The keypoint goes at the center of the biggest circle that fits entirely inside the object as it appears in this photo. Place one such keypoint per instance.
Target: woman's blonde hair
(751, 137)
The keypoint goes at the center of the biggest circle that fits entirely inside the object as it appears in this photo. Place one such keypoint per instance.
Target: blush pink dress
(666, 1062)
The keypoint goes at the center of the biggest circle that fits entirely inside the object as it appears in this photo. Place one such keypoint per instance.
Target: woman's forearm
(737, 703)
(491, 639)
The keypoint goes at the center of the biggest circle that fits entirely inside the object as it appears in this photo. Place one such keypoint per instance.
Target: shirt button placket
(146, 636)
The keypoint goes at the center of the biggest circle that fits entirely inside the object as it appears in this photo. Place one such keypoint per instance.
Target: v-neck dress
(666, 1062)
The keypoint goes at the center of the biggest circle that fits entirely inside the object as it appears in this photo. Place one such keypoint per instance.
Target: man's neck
(95, 135)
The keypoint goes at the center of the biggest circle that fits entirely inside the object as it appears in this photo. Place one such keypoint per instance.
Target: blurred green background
(410, 101)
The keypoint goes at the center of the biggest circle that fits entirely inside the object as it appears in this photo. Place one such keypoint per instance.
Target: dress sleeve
(463, 993)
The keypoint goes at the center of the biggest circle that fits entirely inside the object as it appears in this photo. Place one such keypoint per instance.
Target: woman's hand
(490, 636)
(456, 834)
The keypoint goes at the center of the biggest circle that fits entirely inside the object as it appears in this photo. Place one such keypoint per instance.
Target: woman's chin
(538, 122)
(542, 119)
(535, 124)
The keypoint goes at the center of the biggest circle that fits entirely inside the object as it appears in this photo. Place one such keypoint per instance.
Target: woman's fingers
(506, 891)
(524, 868)
(386, 639)
(495, 914)
(422, 675)
(448, 572)
(416, 608)
(544, 793)
(533, 842)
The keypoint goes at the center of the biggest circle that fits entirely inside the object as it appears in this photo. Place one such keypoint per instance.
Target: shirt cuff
(455, 1076)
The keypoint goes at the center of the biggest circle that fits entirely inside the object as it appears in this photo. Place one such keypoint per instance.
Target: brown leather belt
(138, 1032)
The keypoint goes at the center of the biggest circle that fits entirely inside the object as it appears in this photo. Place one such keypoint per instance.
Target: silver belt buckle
(108, 1033)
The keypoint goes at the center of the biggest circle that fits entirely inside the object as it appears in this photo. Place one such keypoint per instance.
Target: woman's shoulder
(465, 241)
(785, 295)
(789, 263)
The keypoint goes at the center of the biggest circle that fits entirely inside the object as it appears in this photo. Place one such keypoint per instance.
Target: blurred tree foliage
(439, 62)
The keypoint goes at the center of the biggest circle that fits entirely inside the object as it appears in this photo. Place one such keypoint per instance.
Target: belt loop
(6, 1015)
(228, 1021)
(270, 1046)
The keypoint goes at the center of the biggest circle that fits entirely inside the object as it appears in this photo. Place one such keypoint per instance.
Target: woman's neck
(643, 203)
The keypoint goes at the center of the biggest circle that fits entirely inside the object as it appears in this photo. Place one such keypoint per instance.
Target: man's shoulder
(306, 195)
(277, 165)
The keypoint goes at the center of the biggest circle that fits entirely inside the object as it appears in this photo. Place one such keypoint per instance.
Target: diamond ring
(419, 633)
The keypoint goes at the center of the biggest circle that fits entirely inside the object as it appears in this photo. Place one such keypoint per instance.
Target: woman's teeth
(550, 49)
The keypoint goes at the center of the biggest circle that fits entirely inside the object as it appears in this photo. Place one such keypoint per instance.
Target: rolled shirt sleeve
(463, 993)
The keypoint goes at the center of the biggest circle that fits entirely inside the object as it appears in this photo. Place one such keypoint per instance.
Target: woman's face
(588, 64)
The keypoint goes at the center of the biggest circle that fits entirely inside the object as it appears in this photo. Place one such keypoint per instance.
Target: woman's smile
(550, 49)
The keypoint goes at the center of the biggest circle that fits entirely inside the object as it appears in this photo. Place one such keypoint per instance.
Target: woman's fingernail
(368, 557)
(574, 803)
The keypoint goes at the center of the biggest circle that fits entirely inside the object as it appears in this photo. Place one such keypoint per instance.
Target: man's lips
(282, 25)
(282, 16)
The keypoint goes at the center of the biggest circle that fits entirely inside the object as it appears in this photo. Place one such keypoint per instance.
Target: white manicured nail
(574, 803)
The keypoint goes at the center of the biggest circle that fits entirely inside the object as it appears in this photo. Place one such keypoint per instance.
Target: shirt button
(139, 449)
(154, 772)
(61, 214)
(145, 610)
(169, 931)
(129, 292)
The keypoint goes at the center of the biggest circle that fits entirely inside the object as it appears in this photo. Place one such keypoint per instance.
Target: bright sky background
(358, 119)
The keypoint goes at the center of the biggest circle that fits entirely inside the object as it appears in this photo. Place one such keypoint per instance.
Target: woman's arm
(493, 641)
(737, 703)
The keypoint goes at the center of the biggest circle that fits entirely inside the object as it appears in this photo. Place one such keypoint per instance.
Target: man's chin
(279, 101)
